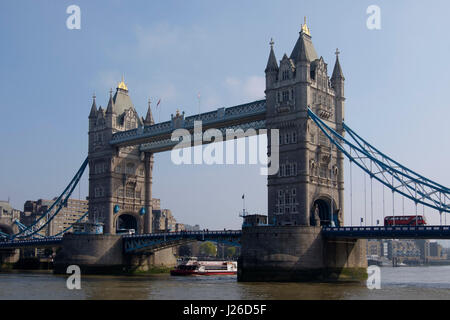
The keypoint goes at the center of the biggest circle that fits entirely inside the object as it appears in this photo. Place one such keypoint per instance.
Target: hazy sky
(397, 84)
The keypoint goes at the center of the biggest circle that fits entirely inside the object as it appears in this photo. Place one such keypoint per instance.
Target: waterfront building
(68, 215)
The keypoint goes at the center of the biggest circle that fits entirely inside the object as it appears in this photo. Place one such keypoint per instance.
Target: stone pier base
(103, 254)
(294, 253)
(8, 257)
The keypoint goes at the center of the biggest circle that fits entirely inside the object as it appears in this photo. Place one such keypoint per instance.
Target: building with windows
(309, 188)
(69, 214)
(7, 217)
(164, 221)
(7, 212)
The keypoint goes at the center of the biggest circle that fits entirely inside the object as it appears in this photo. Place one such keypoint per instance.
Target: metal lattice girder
(387, 171)
(158, 241)
(401, 232)
(34, 243)
(32, 230)
(157, 137)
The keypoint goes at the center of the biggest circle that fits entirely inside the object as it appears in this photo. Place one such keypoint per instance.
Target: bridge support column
(8, 258)
(296, 253)
(148, 163)
(104, 254)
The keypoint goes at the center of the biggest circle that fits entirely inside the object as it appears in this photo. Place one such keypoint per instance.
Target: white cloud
(251, 88)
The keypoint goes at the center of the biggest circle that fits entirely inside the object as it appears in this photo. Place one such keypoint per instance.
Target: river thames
(396, 283)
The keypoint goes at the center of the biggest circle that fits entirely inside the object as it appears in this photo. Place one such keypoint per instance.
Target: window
(285, 75)
(99, 192)
(287, 138)
(118, 169)
(323, 171)
(294, 169)
(283, 170)
(100, 167)
(130, 168)
(294, 137)
(120, 192)
(130, 192)
(285, 96)
(323, 140)
(288, 170)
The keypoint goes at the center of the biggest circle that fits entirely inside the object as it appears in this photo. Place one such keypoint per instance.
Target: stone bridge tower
(120, 180)
(309, 188)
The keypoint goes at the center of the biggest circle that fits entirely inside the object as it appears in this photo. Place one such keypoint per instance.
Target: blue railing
(152, 241)
(398, 232)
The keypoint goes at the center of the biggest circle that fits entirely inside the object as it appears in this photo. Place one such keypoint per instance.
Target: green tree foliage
(231, 252)
(208, 249)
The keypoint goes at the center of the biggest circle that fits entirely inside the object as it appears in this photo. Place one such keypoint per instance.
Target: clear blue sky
(397, 84)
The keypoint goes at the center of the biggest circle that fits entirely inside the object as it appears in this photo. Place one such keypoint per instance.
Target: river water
(396, 283)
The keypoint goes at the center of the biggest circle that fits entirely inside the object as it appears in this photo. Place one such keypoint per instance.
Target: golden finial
(122, 84)
(305, 28)
(178, 112)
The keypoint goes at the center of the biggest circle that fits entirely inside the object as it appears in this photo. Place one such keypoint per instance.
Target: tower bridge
(305, 197)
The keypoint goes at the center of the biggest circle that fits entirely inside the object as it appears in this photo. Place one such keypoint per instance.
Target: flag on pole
(159, 101)
(243, 196)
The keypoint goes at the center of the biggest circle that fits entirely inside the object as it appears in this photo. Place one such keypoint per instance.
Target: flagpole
(159, 109)
(198, 96)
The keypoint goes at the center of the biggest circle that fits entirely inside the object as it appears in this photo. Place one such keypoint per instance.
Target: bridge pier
(8, 257)
(297, 253)
(104, 254)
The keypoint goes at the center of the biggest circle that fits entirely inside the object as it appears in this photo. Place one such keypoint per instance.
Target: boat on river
(193, 267)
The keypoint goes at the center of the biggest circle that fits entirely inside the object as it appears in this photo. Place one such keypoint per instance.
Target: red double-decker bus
(404, 221)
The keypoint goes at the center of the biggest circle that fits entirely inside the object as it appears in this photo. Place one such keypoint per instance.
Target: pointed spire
(110, 108)
(122, 84)
(337, 72)
(149, 117)
(93, 112)
(272, 64)
(305, 29)
(304, 48)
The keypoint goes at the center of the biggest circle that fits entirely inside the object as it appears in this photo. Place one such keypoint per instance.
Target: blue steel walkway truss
(158, 241)
(378, 166)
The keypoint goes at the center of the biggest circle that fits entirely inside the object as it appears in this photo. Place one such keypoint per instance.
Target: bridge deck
(157, 137)
(34, 243)
(139, 242)
(400, 232)
(156, 241)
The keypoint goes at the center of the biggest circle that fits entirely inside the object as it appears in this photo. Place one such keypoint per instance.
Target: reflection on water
(396, 283)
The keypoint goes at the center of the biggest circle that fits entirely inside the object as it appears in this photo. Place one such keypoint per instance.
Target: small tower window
(130, 192)
(294, 137)
(130, 168)
(288, 170)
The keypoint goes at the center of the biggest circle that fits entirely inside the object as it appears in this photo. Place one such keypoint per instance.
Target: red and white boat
(204, 268)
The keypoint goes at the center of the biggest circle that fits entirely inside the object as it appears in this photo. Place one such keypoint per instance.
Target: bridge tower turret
(119, 179)
(308, 189)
